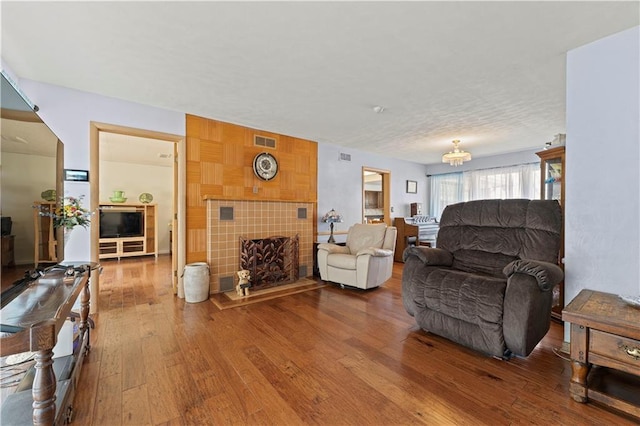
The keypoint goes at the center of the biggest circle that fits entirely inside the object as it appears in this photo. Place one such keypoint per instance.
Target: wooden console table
(605, 350)
(31, 322)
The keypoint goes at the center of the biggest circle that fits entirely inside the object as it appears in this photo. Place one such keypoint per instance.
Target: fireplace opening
(272, 261)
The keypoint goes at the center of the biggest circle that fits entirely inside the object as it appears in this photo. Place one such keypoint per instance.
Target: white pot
(196, 282)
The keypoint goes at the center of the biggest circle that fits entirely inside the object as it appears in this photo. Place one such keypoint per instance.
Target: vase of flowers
(71, 214)
(67, 214)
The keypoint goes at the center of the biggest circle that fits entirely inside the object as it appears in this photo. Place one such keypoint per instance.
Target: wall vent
(226, 283)
(264, 141)
(226, 213)
(344, 157)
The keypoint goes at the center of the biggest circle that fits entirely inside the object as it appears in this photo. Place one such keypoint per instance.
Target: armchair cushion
(430, 256)
(362, 236)
(463, 307)
(342, 261)
(471, 298)
(477, 261)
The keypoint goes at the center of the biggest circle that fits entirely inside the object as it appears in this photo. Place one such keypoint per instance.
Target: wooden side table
(605, 350)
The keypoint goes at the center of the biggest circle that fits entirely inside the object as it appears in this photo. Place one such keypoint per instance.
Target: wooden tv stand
(32, 322)
(144, 245)
(605, 350)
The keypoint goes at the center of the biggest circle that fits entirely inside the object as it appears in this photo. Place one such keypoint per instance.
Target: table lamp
(332, 217)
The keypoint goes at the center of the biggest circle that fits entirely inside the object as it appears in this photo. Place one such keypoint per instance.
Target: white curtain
(521, 181)
(445, 189)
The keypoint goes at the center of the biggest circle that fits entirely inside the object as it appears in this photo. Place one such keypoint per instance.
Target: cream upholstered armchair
(366, 261)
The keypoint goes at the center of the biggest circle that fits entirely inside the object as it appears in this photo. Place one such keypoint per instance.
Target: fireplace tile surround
(228, 220)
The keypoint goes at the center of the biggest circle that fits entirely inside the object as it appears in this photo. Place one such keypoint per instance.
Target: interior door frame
(179, 197)
(386, 192)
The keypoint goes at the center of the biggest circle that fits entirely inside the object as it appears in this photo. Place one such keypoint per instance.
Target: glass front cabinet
(552, 173)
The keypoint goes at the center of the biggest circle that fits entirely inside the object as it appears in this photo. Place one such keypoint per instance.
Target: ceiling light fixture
(456, 157)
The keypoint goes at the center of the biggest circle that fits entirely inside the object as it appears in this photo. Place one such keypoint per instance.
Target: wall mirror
(376, 196)
(31, 165)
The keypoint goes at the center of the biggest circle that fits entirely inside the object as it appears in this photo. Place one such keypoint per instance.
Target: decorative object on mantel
(145, 198)
(118, 197)
(48, 195)
(332, 217)
(457, 156)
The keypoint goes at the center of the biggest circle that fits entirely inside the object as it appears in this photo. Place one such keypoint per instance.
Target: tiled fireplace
(229, 221)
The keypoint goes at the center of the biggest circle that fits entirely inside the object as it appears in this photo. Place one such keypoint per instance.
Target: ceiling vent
(264, 141)
(344, 157)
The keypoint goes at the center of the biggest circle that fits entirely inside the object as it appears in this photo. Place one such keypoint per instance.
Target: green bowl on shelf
(145, 198)
(48, 195)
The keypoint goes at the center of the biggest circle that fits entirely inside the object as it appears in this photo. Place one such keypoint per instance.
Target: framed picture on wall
(412, 187)
(76, 175)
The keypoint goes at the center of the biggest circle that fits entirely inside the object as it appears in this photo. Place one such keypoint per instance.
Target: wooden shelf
(45, 243)
(552, 176)
(144, 245)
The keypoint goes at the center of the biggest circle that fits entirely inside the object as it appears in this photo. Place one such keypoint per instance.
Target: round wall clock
(265, 166)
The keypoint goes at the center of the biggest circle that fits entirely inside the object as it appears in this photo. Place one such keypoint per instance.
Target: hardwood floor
(329, 356)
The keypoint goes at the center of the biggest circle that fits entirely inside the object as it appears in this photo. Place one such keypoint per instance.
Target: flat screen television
(119, 224)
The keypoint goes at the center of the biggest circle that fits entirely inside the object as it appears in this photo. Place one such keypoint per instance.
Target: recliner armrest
(546, 274)
(377, 252)
(334, 248)
(430, 256)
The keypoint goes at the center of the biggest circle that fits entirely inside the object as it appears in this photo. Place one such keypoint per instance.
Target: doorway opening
(122, 158)
(376, 196)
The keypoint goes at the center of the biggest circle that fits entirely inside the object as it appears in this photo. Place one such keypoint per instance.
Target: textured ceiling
(491, 74)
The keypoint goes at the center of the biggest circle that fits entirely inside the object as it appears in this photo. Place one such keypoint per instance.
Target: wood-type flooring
(326, 357)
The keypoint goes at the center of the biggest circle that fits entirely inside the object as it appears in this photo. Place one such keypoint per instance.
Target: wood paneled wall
(220, 165)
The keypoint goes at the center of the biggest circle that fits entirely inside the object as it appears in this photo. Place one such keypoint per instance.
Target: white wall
(134, 179)
(340, 184)
(602, 225)
(69, 113)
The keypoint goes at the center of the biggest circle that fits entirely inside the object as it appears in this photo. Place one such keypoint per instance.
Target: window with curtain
(521, 181)
(445, 189)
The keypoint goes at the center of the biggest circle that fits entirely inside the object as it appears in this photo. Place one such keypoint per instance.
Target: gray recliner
(488, 284)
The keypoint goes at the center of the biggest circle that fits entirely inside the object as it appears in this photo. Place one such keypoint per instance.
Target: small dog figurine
(243, 283)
